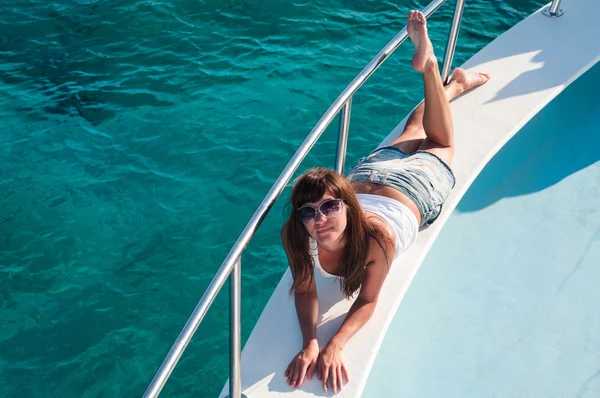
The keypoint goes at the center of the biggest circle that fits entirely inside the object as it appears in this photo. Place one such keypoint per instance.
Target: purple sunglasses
(330, 208)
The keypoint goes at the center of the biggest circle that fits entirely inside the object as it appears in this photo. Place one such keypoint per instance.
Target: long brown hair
(310, 187)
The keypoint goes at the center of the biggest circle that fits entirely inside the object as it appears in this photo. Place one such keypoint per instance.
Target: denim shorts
(422, 176)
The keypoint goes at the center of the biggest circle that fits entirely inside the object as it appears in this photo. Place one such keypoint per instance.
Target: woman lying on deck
(353, 228)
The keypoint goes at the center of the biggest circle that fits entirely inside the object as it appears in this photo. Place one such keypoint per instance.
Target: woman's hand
(303, 364)
(330, 367)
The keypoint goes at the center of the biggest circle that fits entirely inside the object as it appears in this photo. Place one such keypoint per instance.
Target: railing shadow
(556, 143)
(540, 52)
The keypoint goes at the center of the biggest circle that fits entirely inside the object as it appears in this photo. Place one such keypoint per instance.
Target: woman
(353, 228)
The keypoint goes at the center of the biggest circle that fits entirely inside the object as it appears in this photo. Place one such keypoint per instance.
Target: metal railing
(232, 263)
(553, 11)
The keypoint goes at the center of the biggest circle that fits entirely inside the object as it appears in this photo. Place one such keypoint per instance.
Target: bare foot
(417, 31)
(469, 80)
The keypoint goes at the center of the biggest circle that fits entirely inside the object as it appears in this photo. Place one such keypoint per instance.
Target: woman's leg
(429, 127)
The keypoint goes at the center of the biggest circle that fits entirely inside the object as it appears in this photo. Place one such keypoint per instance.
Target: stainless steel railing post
(235, 374)
(342, 143)
(553, 11)
(452, 37)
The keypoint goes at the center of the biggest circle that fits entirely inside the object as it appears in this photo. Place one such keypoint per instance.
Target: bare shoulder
(381, 252)
(386, 230)
(379, 261)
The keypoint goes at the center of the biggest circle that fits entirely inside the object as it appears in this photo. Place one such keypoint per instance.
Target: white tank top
(398, 217)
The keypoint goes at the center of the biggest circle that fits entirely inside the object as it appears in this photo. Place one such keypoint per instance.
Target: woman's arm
(305, 362)
(364, 306)
(307, 310)
(330, 365)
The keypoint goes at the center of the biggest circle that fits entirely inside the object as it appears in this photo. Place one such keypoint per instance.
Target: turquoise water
(506, 302)
(138, 137)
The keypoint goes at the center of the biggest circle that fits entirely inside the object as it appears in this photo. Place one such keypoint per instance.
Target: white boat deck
(506, 301)
(530, 64)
